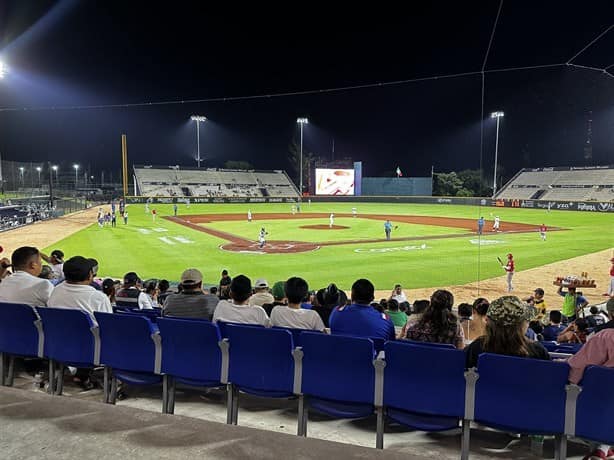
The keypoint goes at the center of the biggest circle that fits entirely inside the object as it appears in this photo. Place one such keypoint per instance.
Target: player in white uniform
(354, 212)
(497, 224)
(249, 215)
(262, 237)
(331, 220)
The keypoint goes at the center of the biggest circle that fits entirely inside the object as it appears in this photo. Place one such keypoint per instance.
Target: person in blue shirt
(388, 228)
(480, 225)
(359, 318)
(552, 330)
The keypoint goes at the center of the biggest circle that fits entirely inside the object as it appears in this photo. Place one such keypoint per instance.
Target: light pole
(39, 169)
(76, 166)
(498, 116)
(55, 168)
(198, 119)
(302, 122)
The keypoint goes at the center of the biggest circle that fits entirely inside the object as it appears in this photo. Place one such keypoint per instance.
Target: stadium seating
(71, 339)
(594, 407)
(212, 183)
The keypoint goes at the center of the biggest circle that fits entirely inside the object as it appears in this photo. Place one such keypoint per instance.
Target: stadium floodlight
(39, 169)
(198, 119)
(496, 115)
(3, 69)
(55, 168)
(302, 122)
(76, 166)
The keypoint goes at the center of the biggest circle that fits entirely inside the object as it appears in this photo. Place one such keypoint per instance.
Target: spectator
(46, 273)
(261, 294)
(508, 320)
(131, 296)
(464, 317)
(420, 306)
(238, 310)
(598, 351)
(610, 324)
(279, 297)
(108, 288)
(56, 259)
(596, 318)
(24, 286)
(213, 290)
(438, 324)
(225, 283)
(163, 291)
(151, 290)
(572, 303)
(327, 300)
(191, 302)
(360, 318)
(94, 283)
(398, 294)
(76, 291)
(405, 308)
(540, 304)
(398, 318)
(538, 328)
(552, 330)
(477, 327)
(292, 315)
(574, 333)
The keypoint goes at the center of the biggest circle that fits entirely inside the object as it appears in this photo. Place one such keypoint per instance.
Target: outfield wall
(590, 206)
(397, 186)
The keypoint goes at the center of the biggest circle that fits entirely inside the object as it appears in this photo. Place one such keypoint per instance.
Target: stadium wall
(593, 206)
(397, 186)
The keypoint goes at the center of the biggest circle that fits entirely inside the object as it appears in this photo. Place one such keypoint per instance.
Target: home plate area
(271, 247)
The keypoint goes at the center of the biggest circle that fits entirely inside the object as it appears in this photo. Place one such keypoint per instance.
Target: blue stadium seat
(296, 333)
(595, 406)
(71, 339)
(131, 351)
(21, 334)
(431, 344)
(152, 314)
(505, 397)
(191, 354)
(222, 325)
(338, 378)
(434, 376)
(260, 363)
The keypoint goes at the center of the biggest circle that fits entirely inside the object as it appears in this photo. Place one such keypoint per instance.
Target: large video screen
(334, 181)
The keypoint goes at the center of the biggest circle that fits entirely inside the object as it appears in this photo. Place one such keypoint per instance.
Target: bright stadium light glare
(302, 121)
(198, 118)
(3, 69)
(497, 114)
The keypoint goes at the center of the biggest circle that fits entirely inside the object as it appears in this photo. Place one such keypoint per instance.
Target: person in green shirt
(572, 302)
(398, 318)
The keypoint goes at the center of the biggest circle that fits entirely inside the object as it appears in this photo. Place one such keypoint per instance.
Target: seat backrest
(431, 344)
(424, 379)
(68, 335)
(549, 345)
(260, 358)
(126, 342)
(18, 332)
(190, 349)
(338, 367)
(595, 405)
(522, 393)
(296, 333)
(222, 326)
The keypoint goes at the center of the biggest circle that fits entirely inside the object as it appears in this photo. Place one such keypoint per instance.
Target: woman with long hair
(477, 326)
(507, 323)
(438, 324)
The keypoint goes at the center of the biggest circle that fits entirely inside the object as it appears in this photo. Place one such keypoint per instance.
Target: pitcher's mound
(324, 227)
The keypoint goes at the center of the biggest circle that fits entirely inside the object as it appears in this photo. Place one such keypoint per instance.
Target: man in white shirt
(131, 296)
(292, 315)
(261, 294)
(398, 294)
(237, 310)
(76, 292)
(24, 286)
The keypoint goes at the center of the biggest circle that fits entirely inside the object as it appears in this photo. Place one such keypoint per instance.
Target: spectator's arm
(592, 353)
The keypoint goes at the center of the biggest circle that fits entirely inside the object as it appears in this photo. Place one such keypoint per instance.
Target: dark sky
(73, 53)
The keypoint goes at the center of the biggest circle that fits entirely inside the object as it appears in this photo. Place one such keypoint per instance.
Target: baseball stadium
(322, 265)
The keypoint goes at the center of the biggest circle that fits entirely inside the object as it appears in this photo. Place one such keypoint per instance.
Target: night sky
(70, 53)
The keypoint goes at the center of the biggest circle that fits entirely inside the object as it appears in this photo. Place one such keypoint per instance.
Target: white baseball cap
(261, 283)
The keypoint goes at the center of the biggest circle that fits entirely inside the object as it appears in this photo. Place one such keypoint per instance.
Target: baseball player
(542, 232)
(331, 220)
(354, 212)
(480, 225)
(388, 229)
(249, 215)
(509, 269)
(496, 224)
(153, 214)
(611, 288)
(262, 237)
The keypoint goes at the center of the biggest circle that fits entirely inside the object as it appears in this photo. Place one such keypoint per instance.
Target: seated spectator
(108, 289)
(279, 297)
(596, 318)
(76, 291)
(508, 320)
(130, 295)
(151, 290)
(261, 293)
(438, 324)
(415, 315)
(46, 273)
(405, 308)
(610, 324)
(238, 310)
(576, 332)
(477, 326)
(191, 302)
(56, 261)
(398, 318)
(360, 318)
(327, 299)
(163, 291)
(94, 282)
(464, 317)
(552, 330)
(398, 294)
(292, 315)
(598, 351)
(538, 328)
(24, 286)
(213, 290)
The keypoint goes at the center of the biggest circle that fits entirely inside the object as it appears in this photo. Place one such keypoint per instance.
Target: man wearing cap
(191, 302)
(360, 318)
(572, 302)
(24, 286)
(237, 310)
(76, 292)
(279, 297)
(509, 269)
(261, 294)
(56, 260)
(130, 295)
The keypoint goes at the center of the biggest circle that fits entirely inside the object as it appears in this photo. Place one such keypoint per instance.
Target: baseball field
(430, 246)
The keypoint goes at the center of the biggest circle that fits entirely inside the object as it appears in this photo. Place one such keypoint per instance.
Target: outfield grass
(163, 249)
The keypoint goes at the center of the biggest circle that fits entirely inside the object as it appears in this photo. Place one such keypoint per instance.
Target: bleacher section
(172, 181)
(562, 184)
